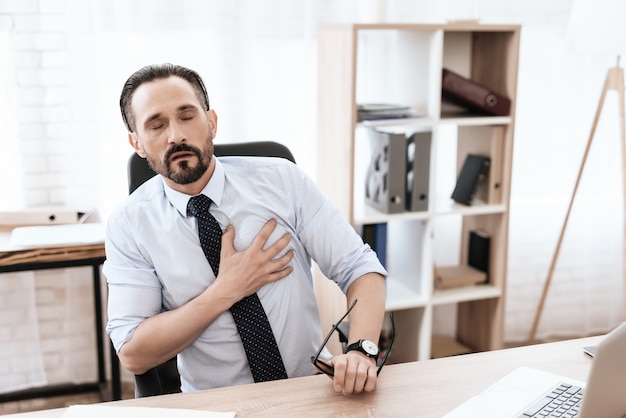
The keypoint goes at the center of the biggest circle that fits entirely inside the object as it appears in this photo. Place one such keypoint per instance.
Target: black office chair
(165, 378)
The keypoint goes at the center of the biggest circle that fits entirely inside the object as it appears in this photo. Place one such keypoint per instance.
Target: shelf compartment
(465, 294)
(401, 297)
(391, 68)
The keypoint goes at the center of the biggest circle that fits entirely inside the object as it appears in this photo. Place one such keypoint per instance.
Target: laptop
(603, 395)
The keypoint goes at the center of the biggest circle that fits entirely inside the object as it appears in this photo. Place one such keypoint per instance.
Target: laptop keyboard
(564, 401)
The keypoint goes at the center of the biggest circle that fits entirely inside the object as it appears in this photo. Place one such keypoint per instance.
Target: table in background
(418, 389)
(16, 260)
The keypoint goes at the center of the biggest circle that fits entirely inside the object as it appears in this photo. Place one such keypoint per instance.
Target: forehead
(162, 94)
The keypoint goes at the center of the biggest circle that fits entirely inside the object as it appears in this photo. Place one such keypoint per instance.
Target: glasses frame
(329, 370)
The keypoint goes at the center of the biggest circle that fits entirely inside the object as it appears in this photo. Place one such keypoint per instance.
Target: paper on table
(104, 411)
(57, 235)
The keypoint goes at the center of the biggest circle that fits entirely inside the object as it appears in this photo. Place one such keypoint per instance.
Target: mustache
(181, 148)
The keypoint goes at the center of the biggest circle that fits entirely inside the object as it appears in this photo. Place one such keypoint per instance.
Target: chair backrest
(139, 171)
(164, 378)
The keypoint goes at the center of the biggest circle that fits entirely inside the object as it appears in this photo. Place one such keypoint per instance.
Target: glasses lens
(323, 367)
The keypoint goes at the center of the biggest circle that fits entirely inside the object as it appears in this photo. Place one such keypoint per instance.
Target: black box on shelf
(478, 251)
(474, 170)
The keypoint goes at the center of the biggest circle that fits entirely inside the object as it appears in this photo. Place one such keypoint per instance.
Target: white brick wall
(20, 362)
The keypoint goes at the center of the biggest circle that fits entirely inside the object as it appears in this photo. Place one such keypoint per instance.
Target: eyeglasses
(328, 369)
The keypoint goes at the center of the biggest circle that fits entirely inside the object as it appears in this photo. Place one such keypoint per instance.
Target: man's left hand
(354, 373)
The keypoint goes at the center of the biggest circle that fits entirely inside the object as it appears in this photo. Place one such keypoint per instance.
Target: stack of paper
(57, 235)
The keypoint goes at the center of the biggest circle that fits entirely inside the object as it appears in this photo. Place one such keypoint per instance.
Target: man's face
(173, 131)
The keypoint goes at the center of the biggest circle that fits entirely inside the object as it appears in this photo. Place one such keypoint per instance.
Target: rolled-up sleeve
(134, 288)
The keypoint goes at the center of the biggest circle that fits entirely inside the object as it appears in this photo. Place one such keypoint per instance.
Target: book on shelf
(478, 251)
(448, 277)
(474, 169)
(381, 111)
(375, 235)
(472, 95)
(398, 174)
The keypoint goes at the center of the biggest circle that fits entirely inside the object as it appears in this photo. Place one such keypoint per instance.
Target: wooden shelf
(402, 64)
(465, 294)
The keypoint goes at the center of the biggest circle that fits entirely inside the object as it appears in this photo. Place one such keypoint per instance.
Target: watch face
(370, 347)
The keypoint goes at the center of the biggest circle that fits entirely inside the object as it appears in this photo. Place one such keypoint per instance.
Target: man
(164, 298)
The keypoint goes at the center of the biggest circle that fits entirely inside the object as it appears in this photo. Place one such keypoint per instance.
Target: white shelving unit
(402, 63)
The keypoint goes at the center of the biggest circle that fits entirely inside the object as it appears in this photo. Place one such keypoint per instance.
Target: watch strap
(357, 346)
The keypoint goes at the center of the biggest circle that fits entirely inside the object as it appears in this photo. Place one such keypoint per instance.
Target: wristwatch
(367, 347)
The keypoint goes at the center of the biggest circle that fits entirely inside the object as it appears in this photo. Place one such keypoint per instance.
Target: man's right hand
(242, 273)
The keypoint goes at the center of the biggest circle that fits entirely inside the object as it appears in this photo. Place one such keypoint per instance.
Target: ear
(134, 142)
(212, 121)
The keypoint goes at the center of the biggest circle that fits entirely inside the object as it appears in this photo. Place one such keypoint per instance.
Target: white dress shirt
(155, 263)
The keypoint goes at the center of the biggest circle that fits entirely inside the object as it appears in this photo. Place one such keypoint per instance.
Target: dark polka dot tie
(254, 328)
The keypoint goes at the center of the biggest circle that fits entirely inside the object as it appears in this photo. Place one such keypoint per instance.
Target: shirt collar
(214, 190)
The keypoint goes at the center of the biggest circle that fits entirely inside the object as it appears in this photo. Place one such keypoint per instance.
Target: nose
(175, 134)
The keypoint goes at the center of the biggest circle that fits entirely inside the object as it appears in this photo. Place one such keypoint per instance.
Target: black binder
(478, 251)
(385, 180)
(418, 171)
(473, 171)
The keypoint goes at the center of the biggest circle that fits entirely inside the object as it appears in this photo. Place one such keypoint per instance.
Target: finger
(350, 379)
(372, 379)
(228, 238)
(264, 234)
(276, 248)
(280, 274)
(360, 377)
(281, 262)
(339, 363)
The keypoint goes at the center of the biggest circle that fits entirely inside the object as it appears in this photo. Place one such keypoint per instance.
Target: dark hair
(154, 72)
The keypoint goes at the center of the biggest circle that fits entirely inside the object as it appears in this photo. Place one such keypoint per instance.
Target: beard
(182, 172)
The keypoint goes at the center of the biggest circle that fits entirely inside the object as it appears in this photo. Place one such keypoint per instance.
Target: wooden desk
(419, 389)
(14, 260)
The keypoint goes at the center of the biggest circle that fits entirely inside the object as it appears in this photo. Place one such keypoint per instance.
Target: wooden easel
(614, 81)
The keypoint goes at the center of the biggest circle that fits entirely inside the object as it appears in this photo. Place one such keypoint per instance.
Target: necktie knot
(198, 205)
